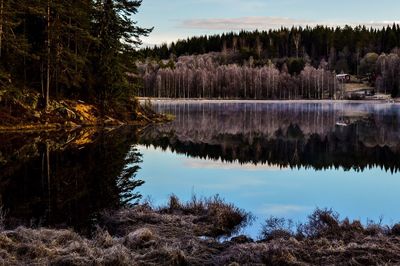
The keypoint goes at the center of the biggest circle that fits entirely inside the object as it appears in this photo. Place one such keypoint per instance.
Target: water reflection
(66, 178)
(317, 135)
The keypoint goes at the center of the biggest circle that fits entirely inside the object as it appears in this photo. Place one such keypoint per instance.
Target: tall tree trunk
(25, 72)
(48, 55)
(1, 25)
(48, 174)
(297, 40)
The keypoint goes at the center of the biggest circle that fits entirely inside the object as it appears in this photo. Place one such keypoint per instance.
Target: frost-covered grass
(188, 234)
(323, 240)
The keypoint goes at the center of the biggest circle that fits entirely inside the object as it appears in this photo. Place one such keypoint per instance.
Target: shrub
(395, 230)
(216, 217)
(322, 222)
(275, 228)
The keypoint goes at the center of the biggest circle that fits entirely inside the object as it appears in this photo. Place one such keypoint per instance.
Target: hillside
(56, 57)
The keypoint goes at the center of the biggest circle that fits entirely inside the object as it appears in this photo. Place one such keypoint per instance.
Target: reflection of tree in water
(126, 181)
(287, 135)
(69, 184)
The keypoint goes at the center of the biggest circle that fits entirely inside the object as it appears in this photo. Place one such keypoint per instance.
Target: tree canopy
(76, 48)
(342, 47)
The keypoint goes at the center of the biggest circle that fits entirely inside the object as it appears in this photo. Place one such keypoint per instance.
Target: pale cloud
(245, 23)
(157, 38)
(263, 23)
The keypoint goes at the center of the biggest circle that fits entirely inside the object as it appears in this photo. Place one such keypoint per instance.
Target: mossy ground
(26, 112)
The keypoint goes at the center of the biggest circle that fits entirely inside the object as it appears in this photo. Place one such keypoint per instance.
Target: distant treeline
(68, 48)
(205, 76)
(282, 64)
(341, 47)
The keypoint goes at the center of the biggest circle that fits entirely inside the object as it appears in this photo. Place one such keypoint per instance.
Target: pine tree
(117, 35)
(13, 44)
(80, 48)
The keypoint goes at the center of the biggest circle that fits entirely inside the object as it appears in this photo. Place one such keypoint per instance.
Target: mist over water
(280, 159)
(317, 135)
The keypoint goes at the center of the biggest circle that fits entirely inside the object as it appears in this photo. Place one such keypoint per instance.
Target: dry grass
(141, 235)
(324, 239)
(172, 235)
(214, 217)
(324, 223)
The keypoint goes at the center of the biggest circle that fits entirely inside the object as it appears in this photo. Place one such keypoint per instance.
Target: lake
(279, 159)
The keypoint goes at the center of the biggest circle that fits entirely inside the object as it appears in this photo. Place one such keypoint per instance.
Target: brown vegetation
(324, 239)
(177, 235)
(27, 112)
(140, 235)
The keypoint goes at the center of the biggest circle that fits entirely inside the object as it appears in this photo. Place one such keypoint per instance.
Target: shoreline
(65, 114)
(54, 127)
(194, 100)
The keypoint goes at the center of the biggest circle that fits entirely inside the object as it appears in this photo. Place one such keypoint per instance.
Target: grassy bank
(191, 234)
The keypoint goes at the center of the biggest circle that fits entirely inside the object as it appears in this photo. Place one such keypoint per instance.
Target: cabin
(343, 78)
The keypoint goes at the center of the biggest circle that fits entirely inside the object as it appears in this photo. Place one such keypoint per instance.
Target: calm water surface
(280, 159)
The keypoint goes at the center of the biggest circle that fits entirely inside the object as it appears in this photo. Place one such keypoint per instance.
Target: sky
(179, 19)
(267, 190)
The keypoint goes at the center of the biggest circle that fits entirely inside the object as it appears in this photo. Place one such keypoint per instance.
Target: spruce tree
(118, 35)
